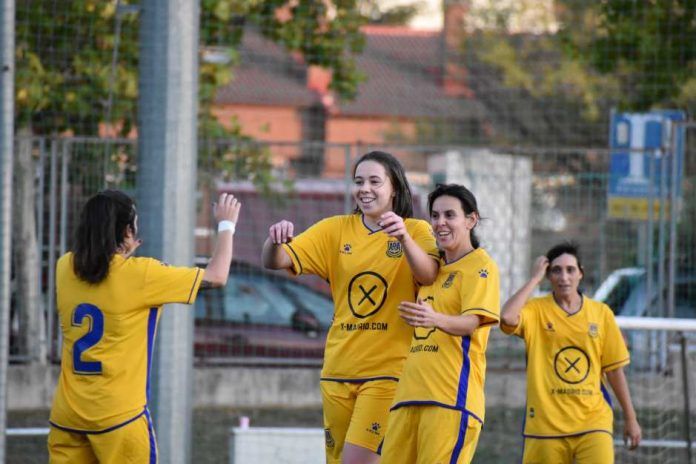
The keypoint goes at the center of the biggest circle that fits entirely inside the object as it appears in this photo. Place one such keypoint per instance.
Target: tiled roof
(403, 69)
(404, 77)
(267, 75)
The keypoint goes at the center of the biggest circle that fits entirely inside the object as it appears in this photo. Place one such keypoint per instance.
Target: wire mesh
(515, 98)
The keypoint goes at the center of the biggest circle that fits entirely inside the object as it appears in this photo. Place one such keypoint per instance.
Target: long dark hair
(402, 204)
(104, 220)
(465, 197)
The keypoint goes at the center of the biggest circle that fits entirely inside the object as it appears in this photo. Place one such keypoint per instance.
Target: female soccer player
(572, 343)
(439, 405)
(109, 303)
(373, 259)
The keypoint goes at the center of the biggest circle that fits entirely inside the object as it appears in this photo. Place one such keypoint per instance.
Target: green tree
(76, 73)
(67, 80)
(590, 57)
(651, 47)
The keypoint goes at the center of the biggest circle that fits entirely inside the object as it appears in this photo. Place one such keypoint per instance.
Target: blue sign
(640, 157)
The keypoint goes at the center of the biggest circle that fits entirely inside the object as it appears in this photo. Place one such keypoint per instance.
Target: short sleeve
(171, 284)
(423, 235)
(310, 250)
(519, 329)
(481, 295)
(614, 351)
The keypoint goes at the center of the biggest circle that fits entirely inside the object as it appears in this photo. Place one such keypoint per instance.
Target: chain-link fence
(526, 102)
(529, 199)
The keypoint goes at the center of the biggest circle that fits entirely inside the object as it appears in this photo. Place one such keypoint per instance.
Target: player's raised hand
(281, 232)
(541, 264)
(393, 225)
(227, 208)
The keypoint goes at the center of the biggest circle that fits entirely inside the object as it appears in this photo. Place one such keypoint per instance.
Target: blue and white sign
(638, 140)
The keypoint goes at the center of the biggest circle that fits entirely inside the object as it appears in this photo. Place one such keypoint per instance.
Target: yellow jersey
(447, 370)
(108, 338)
(369, 276)
(566, 357)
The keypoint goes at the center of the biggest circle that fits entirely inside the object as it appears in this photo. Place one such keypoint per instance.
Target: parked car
(624, 290)
(261, 315)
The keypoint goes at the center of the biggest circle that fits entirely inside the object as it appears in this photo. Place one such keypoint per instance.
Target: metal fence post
(166, 187)
(7, 47)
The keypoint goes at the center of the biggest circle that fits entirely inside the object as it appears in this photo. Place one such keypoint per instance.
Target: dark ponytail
(465, 197)
(102, 228)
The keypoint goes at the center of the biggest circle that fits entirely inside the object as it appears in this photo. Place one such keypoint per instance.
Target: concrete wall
(31, 387)
(502, 185)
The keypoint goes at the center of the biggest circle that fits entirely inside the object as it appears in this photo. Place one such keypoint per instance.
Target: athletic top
(108, 337)
(448, 370)
(566, 357)
(369, 276)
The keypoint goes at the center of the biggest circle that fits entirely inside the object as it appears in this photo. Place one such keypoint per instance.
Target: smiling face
(565, 275)
(372, 189)
(452, 226)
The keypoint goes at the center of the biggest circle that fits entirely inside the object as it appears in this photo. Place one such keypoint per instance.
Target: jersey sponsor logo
(329, 439)
(571, 364)
(346, 249)
(394, 249)
(367, 292)
(483, 273)
(351, 326)
(593, 330)
(450, 280)
(422, 333)
(426, 348)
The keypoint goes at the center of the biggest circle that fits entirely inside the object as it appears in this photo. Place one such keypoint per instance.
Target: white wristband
(226, 225)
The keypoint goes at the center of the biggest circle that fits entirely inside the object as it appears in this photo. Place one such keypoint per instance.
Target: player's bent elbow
(509, 321)
(215, 279)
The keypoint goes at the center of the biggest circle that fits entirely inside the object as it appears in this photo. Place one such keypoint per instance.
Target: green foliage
(63, 67)
(651, 46)
(626, 54)
(65, 80)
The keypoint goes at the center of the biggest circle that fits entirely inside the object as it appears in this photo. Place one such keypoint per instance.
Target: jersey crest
(450, 280)
(594, 330)
(394, 249)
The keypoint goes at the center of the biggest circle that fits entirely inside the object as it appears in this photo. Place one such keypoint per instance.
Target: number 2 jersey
(108, 338)
(369, 276)
(567, 355)
(448, 370)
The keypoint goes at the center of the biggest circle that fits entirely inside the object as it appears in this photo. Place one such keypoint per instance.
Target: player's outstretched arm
(632, 431)
(423, 266)
(510, 314)
(273, 254)
(226, 212)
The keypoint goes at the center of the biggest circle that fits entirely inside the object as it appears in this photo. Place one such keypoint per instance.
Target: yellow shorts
(355, 413)
(588, 448)
(134, 442)
(430, 434)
